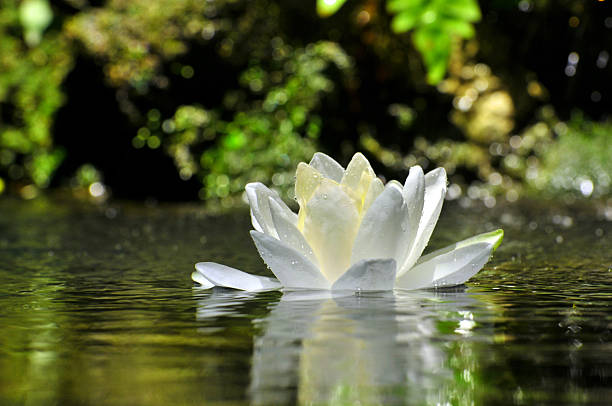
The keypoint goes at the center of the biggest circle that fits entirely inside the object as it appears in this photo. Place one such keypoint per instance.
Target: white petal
(368, 275)
(327, 166)
(452, 265)
(384, 228)
(435, 190)
(375, 189)
(199, 278)
(255, 223)
(355, 171)
(293, 270)
(288, 232)
(414, 195)
(414, 190)
(396, 185)
(307, 180)
(330, 227)
(228, 277)
(258, 195)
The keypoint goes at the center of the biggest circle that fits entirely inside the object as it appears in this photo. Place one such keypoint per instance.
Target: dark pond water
(97, 308)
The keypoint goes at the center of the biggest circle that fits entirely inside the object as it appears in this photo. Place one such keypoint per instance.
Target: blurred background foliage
(188, 99)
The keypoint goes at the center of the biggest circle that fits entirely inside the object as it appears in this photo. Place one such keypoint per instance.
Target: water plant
(352, 232)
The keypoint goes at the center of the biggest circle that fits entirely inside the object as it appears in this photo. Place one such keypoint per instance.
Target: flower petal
(395, 184)
(307, 180)
(452, 265)
(228, 277)
(289, 233)
(330, 227)
(368, 275)
(414, 191)
(355, 172)
(375, 189)
(414, 195)
(258, 195)
(327, 166)
(196, 276)
(384, 229)
(435, 190)
(293, 269)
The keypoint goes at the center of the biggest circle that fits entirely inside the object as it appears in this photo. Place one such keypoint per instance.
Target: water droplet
(325, 196)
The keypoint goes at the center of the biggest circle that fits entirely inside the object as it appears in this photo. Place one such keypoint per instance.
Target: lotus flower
(352, 232)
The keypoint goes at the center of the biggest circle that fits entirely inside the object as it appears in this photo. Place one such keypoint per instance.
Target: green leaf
(326, 8)
(44, 164)
(423, 40)
(397, 6)
(404, 21)
(466, 10)
(436, 69)
(458, 27)
(234, 140)
(435, 46)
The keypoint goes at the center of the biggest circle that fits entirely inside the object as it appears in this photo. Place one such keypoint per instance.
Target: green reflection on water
(96, 307)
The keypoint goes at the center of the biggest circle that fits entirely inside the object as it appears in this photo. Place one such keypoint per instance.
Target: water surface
(97, 308)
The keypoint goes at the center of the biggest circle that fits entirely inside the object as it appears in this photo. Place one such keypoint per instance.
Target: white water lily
(352, 232)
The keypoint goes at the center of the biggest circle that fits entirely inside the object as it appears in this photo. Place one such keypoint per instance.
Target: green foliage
(435, 24)
(32, 69)
(326, 8)
(579, 162)
(86, 175)
(266, 137)
(265, 115)
(35, 17)
(133, 37)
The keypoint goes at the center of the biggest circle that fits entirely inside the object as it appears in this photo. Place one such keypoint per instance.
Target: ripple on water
(98, 309)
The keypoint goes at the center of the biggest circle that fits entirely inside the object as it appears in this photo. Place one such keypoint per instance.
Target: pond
(97, 307)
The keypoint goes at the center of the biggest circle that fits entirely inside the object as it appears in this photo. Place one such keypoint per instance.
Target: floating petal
(452, 265)
(330, 227)
(292, 269)
(199, 278)
(368, 275)
(221, 275)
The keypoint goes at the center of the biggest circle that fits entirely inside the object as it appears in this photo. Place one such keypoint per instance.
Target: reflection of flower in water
(221, 303)
(316, 348)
